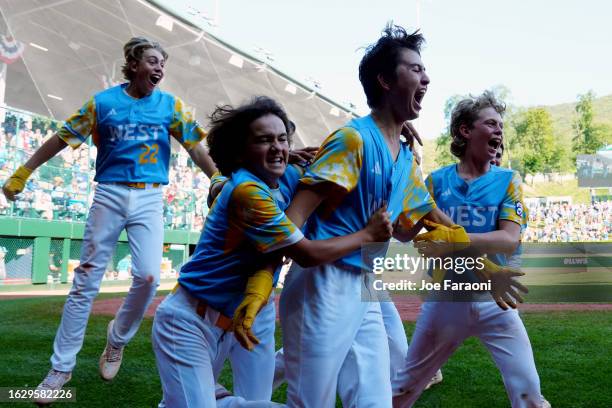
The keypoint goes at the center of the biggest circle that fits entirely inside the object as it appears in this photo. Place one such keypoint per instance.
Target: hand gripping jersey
(246, 220)
(480, 204)
(132, 135)
(357, 160)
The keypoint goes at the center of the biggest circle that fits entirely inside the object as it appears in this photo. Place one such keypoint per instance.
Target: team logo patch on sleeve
(518, 206)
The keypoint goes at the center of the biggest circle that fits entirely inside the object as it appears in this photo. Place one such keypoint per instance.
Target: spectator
(4, 204)
(43, 204)
(564, 222)
(54, 269)
(124, 267)
(59, 198)
(3, 252)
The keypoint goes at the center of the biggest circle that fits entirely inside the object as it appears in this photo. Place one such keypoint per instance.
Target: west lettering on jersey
(132, 131)
(473, 216)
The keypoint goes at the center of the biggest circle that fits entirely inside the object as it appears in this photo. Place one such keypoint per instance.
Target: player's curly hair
(231, 127)
(133, 50)
(382, 57)
(466, 113)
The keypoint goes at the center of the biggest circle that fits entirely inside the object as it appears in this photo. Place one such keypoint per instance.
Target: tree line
(531, 143)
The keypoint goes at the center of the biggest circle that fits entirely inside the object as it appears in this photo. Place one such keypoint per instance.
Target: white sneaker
(436, 379)
(110, 360)
(54, 381)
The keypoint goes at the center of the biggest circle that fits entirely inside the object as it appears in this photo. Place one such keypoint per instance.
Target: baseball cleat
(110, 360)
(53, 382)
(436, 379)
(545, 403)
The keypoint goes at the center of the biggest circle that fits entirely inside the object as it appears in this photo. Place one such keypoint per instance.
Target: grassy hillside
(537, 189)
(564, 115)
(558, 188)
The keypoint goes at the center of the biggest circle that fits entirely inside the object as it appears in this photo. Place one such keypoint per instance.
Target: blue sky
(544, 51)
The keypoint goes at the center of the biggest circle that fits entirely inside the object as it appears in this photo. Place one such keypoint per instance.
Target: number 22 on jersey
(149, 154)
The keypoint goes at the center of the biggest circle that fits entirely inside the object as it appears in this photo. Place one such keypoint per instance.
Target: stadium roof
(73, 49)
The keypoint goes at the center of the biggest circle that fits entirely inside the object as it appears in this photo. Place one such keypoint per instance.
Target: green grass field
(573, 351)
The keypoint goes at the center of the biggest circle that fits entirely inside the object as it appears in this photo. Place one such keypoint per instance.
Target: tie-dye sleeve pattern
(255, 213)
(184, 127)
(418, 198)
(513, 207)
(429, 185)
(217, 178)
(338, 161)
(80, 125)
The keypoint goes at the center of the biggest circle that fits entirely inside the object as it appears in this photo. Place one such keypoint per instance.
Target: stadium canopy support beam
(65, 258)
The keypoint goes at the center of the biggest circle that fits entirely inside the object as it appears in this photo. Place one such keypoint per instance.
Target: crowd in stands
(564, 222)
(63, 189)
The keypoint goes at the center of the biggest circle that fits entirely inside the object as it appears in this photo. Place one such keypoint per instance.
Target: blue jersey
(132, 135)
(287, 184)
(245, 220)
(480, 204)
(356, 159)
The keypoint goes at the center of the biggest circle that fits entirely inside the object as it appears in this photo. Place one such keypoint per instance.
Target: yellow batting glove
(438, 275)
(504, 287)
(489, 269)
(16, 183)
(441, 240)
(258, 289)
(442, 233)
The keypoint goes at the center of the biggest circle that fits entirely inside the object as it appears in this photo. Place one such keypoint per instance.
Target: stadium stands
(569, 222)
(62, 190)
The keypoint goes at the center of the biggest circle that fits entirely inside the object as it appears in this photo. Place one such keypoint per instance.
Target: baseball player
(250, 144)
(333, 340)
(497, 161)
(243, 361)
(260, 359)
(396, 334)
(487, 201)
(131, 125)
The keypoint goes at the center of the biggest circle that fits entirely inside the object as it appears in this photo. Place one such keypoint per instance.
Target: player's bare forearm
(436, 215)
(404, 234)
(305, 201)
(270, 262)
(311, 253)
(47, 151)
(504, 240)
(202, 159)
(439, 217)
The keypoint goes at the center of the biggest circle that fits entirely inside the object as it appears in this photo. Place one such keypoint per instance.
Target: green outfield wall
(34, 249)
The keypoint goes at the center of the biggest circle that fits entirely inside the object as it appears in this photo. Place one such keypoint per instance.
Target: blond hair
(466, 113)
(133, 50)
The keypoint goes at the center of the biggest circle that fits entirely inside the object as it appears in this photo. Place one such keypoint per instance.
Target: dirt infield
(407, 306)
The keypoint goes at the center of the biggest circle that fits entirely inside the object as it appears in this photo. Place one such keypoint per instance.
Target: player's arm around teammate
(250, 145)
